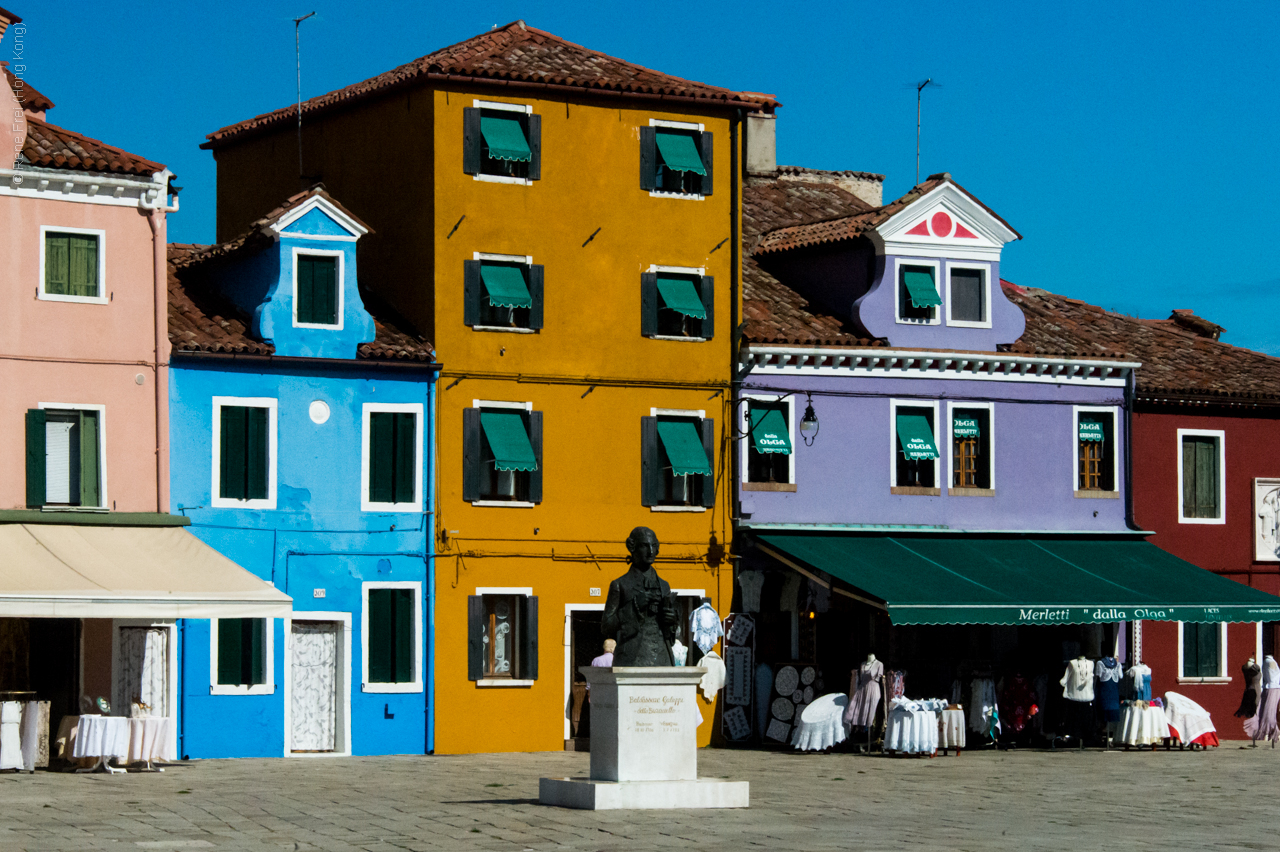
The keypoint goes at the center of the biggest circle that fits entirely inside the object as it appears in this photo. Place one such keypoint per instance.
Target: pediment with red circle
(942, 225)
(946, 222)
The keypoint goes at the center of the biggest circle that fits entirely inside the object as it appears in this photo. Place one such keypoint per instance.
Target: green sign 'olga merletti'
(966, 427)
(1092, 430)
(769, 431)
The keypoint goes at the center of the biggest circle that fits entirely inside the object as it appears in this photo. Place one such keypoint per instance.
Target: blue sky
(1132, 144)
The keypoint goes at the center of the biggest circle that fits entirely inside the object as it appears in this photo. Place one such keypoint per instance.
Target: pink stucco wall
(80, 353)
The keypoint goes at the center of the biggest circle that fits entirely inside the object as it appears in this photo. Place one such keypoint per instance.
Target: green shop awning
(1091, 430)
(921, 289)
(679, 153)
(916, 437)
(966, 427)
(679, 295)
(505, 138)
(975, 579)
(508, 440)
(769, 431)
(506, 286)
(684, 447)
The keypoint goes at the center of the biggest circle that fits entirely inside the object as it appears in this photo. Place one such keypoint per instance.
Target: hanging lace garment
(983, 717)
(144, 670)
(1138, 682)
(897, 683)
(705, 626)
(751, 583)
(713, 681)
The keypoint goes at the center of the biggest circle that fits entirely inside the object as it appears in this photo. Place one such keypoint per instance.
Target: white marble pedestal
(644, 746)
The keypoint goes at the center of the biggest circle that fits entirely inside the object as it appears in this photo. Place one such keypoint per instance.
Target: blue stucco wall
(317, 537)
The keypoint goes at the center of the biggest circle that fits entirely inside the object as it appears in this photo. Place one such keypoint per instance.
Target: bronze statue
(639, 612)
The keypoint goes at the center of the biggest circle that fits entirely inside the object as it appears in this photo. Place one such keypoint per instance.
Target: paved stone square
(1222, 799)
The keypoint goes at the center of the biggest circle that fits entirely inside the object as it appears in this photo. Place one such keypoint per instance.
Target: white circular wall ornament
(139, 379)
(319, 411)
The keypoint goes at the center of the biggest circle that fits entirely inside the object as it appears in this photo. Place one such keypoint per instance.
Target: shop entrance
(314, 679)
(583, 643)
(40, 661)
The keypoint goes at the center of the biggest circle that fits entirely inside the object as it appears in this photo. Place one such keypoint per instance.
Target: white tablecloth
(10, 735)
(951, 729)
(821, 725)
(1187, 719)
(911, 728)
(134, 740)
(1142, 725)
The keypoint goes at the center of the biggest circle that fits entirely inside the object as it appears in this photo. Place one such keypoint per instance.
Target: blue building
(301, 433)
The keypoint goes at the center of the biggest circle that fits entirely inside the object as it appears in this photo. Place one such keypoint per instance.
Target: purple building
(908, 487)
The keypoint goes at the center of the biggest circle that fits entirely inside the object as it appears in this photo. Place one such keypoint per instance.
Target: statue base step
(586, 794)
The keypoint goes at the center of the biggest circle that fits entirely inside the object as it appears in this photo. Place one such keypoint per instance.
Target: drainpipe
(429, 527)
(156, 210)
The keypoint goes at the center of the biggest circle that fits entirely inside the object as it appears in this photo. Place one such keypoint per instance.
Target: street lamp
(809, 423)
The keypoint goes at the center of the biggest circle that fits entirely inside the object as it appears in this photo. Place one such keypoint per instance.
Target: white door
(314, 710)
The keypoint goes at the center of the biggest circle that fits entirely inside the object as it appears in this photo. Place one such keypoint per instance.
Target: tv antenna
(297, 48)
(919, 93)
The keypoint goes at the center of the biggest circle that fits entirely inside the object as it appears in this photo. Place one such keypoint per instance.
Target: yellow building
(564, 226)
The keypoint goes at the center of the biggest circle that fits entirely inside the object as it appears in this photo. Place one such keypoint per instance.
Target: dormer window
(968, 295)
(317, 294)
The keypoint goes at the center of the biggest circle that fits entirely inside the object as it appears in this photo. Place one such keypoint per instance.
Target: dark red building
(1205, 472)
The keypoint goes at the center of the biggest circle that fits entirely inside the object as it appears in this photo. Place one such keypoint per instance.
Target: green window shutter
(535, 147)
(528, 638)
(472, 454)
(57, 264)
(305, 286)
(649, 303)
(83, 257)
(90, 461)
(402, 651)
(254, 645)
(705, 147)
(406, 458)
(472, 292)
(381, 635)
(649, 158)
(1188, 481)
(471, 141)
(650, 462)
(230, 651)
(535, 293)
(35, 457)
(476, 628)
(708, 294)
(256, 461)
(382, 452)
(325, 290)
(1206, 478)
(1207, 650)
(535, 440)
(232, 482)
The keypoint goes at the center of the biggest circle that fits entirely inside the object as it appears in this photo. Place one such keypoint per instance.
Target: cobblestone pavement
(1223, 799)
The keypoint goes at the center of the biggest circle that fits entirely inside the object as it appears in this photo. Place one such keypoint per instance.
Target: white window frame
(1114, 411)
(894, 405)
(745, 426)
(410, 686)
(267, 402)
(1221, 436)
(936, 266)
(526, 591)
(990, 408)
(1222, 677)
(701, 414)
(985, 269)
(700, 271)
(342, 727)
(524, 259)
(526, 109)
(415, 408)
(267, 687)
(677, 125)
(342, 288)
(104, 501)
(503, 504)
(103, 296)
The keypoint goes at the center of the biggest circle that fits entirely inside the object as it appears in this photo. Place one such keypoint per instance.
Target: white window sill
(679, 339)
(391, 687)
(504, 179)
(902, 321)
(394, 508)
(506, 504)
(1218, 680)
(504, 681)
(84, 300)
(58, 507)
(506, 329)
(688, 196)
(677, 508)
(1098, 495)
(224, 503)
(320, 325)
(257, 689)
(967, 324)
(1202, 520)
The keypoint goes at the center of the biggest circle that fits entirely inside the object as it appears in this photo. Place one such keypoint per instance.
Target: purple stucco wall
(844, 478)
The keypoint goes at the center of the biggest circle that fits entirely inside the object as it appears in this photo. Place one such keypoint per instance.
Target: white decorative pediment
(351, 228)
(946, 223)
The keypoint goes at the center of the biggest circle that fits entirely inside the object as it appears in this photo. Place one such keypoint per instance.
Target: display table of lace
(1188, 721)
(951, 728)
(913, 726)
(821, 724)
(141, 740)
(1142, 723)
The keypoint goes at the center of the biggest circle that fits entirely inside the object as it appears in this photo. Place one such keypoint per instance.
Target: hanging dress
(1017, 701)
(983, 718)
(1108, 672)
(864, 695)
(1252, 686)
(1264, 726)
(1077, 689)
(1138, 683)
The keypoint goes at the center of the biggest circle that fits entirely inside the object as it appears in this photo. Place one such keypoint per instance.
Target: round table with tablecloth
(1142, 723)
(141, 740)
(821, 724)
(951, 727)
(912, 726)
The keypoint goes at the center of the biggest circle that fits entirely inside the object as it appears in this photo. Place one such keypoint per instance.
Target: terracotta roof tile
(1179, 357)
(773, 312)
(50, 146)
(32, 100)
(515, 53)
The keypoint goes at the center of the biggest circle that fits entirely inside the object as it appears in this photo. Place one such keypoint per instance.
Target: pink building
(96, 573)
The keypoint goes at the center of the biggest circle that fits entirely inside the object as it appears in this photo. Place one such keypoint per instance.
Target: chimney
(1199, 326)
(865, 185)
(7, 18)
(762, 144)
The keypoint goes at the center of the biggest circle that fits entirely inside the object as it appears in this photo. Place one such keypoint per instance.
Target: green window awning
(769, 433)
(684, 448)
(506, 286)
(679, 153)
(965, 426)
(974, 579)
(921, 289)
(915, 436)
(680, 296)
(508, 440)
(1092, 429)
(505, 138)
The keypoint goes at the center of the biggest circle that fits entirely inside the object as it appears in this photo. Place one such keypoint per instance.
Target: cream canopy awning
(74, 571)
